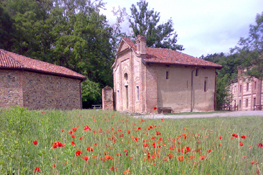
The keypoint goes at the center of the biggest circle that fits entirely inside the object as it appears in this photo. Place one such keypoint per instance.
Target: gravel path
(223, 114)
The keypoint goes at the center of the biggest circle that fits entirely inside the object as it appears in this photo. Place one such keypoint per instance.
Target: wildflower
(260, 145)
(78, 153)
(54, 165)
(35, 142)
(89, 149)
(74, 129)
(138, 128)
(62, 130)
(129, 131)
(108, 157)
(155, 108)
(87, 128)
(85, 158)
(220, 144)
(250, 147)
(37, 169)
(127, 172)
(125, 150)
(95, 144)
(73, 136)
(209, 150)
(180, 158)
(220, 137)
(243, 137)
(240, 143)
(162, 119)
(145, 145)
(252, 162)
(202, 157)
(73, 143)
(158, 133)
(81, 138)
(113, 168)
(58, 144)
(235, 135)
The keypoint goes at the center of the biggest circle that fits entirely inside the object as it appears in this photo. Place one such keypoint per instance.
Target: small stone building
(247, 93)
(37, 85)
(148, 78)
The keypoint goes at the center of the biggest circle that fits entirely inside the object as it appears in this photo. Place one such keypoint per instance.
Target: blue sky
(203, 26)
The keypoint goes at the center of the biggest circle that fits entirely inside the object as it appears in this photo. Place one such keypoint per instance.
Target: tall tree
(146, 22)
(251, 49)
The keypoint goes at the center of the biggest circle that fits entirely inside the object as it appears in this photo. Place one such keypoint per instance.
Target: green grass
(194, 113)
(109, 130)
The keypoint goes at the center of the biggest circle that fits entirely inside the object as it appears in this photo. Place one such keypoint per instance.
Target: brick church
(149, 78)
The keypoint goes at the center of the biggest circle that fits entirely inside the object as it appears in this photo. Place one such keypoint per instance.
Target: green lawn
(118, 144)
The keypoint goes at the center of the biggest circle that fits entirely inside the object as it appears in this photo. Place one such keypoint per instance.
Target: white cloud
(203, 26)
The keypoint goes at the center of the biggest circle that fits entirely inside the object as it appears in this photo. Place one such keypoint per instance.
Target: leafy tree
(145, 22)
(251, 49)
(91, 93)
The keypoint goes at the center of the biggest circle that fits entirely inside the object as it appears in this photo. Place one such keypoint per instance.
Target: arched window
(126, 76)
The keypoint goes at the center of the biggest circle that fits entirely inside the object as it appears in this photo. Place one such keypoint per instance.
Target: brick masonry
(39, 91)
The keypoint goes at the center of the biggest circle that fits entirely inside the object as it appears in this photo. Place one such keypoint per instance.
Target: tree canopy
(146, 22)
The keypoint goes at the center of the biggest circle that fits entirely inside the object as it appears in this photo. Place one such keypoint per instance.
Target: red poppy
(125, 150)
(54, 165)
(155, 108)
(95, 144)
(162, 119)
(220, 144)
(127, 172)
(243, 137)
(240, 143)
(81, 138)
(260, 145)
(73, 143)
(87, 128)
(89, 149)
(35, 142)
(129, 131)
(138, 128)
(145, 145)
(85, 158)
(113, 168)
(73, 136)
(209, 150)
(108, 157)
(220, 137)
(158, 133)
(235, 135)
(202, 157)
(37, 169)
(74, 129)
(58, 144)
(62, 130)
(180, 158)
(78, 153)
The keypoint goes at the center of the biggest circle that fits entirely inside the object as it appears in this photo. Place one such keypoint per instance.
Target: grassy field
(106, 142)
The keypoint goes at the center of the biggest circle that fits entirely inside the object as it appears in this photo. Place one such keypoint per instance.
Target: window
(196, 72)
(240, 88)
(247, 86)
(126, 76)
(167, 74)
(205, 83)
(246, 102)
(138, 94)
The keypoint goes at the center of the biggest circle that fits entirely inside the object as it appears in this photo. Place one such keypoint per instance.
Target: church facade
(149, 79)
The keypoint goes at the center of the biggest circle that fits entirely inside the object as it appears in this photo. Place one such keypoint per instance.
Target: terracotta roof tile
(168, 56)
(15, 61)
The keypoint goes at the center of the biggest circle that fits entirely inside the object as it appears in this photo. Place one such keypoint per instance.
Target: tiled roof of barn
(168, 56)
(10, 60)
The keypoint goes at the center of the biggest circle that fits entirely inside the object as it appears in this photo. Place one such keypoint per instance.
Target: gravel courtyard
(224, 114)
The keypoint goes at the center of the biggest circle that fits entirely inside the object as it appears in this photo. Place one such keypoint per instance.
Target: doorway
(127, 96)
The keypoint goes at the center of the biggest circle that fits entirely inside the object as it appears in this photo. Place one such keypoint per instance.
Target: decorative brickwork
(107, 98)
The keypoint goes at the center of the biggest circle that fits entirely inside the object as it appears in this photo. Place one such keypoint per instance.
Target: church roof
(10, 60)
(168, 56)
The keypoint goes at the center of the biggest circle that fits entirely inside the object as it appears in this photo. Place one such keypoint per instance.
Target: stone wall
(107, 98)
(10, 88)
(42, 91)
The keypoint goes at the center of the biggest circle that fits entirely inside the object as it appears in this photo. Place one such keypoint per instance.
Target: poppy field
(107, 142)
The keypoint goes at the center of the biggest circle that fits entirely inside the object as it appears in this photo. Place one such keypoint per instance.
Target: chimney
(141, 44)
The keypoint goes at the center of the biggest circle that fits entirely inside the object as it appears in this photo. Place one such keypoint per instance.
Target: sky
(203, 26)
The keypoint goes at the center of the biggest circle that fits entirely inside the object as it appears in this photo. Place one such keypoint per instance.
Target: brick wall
(10, 88)
(41, 91)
